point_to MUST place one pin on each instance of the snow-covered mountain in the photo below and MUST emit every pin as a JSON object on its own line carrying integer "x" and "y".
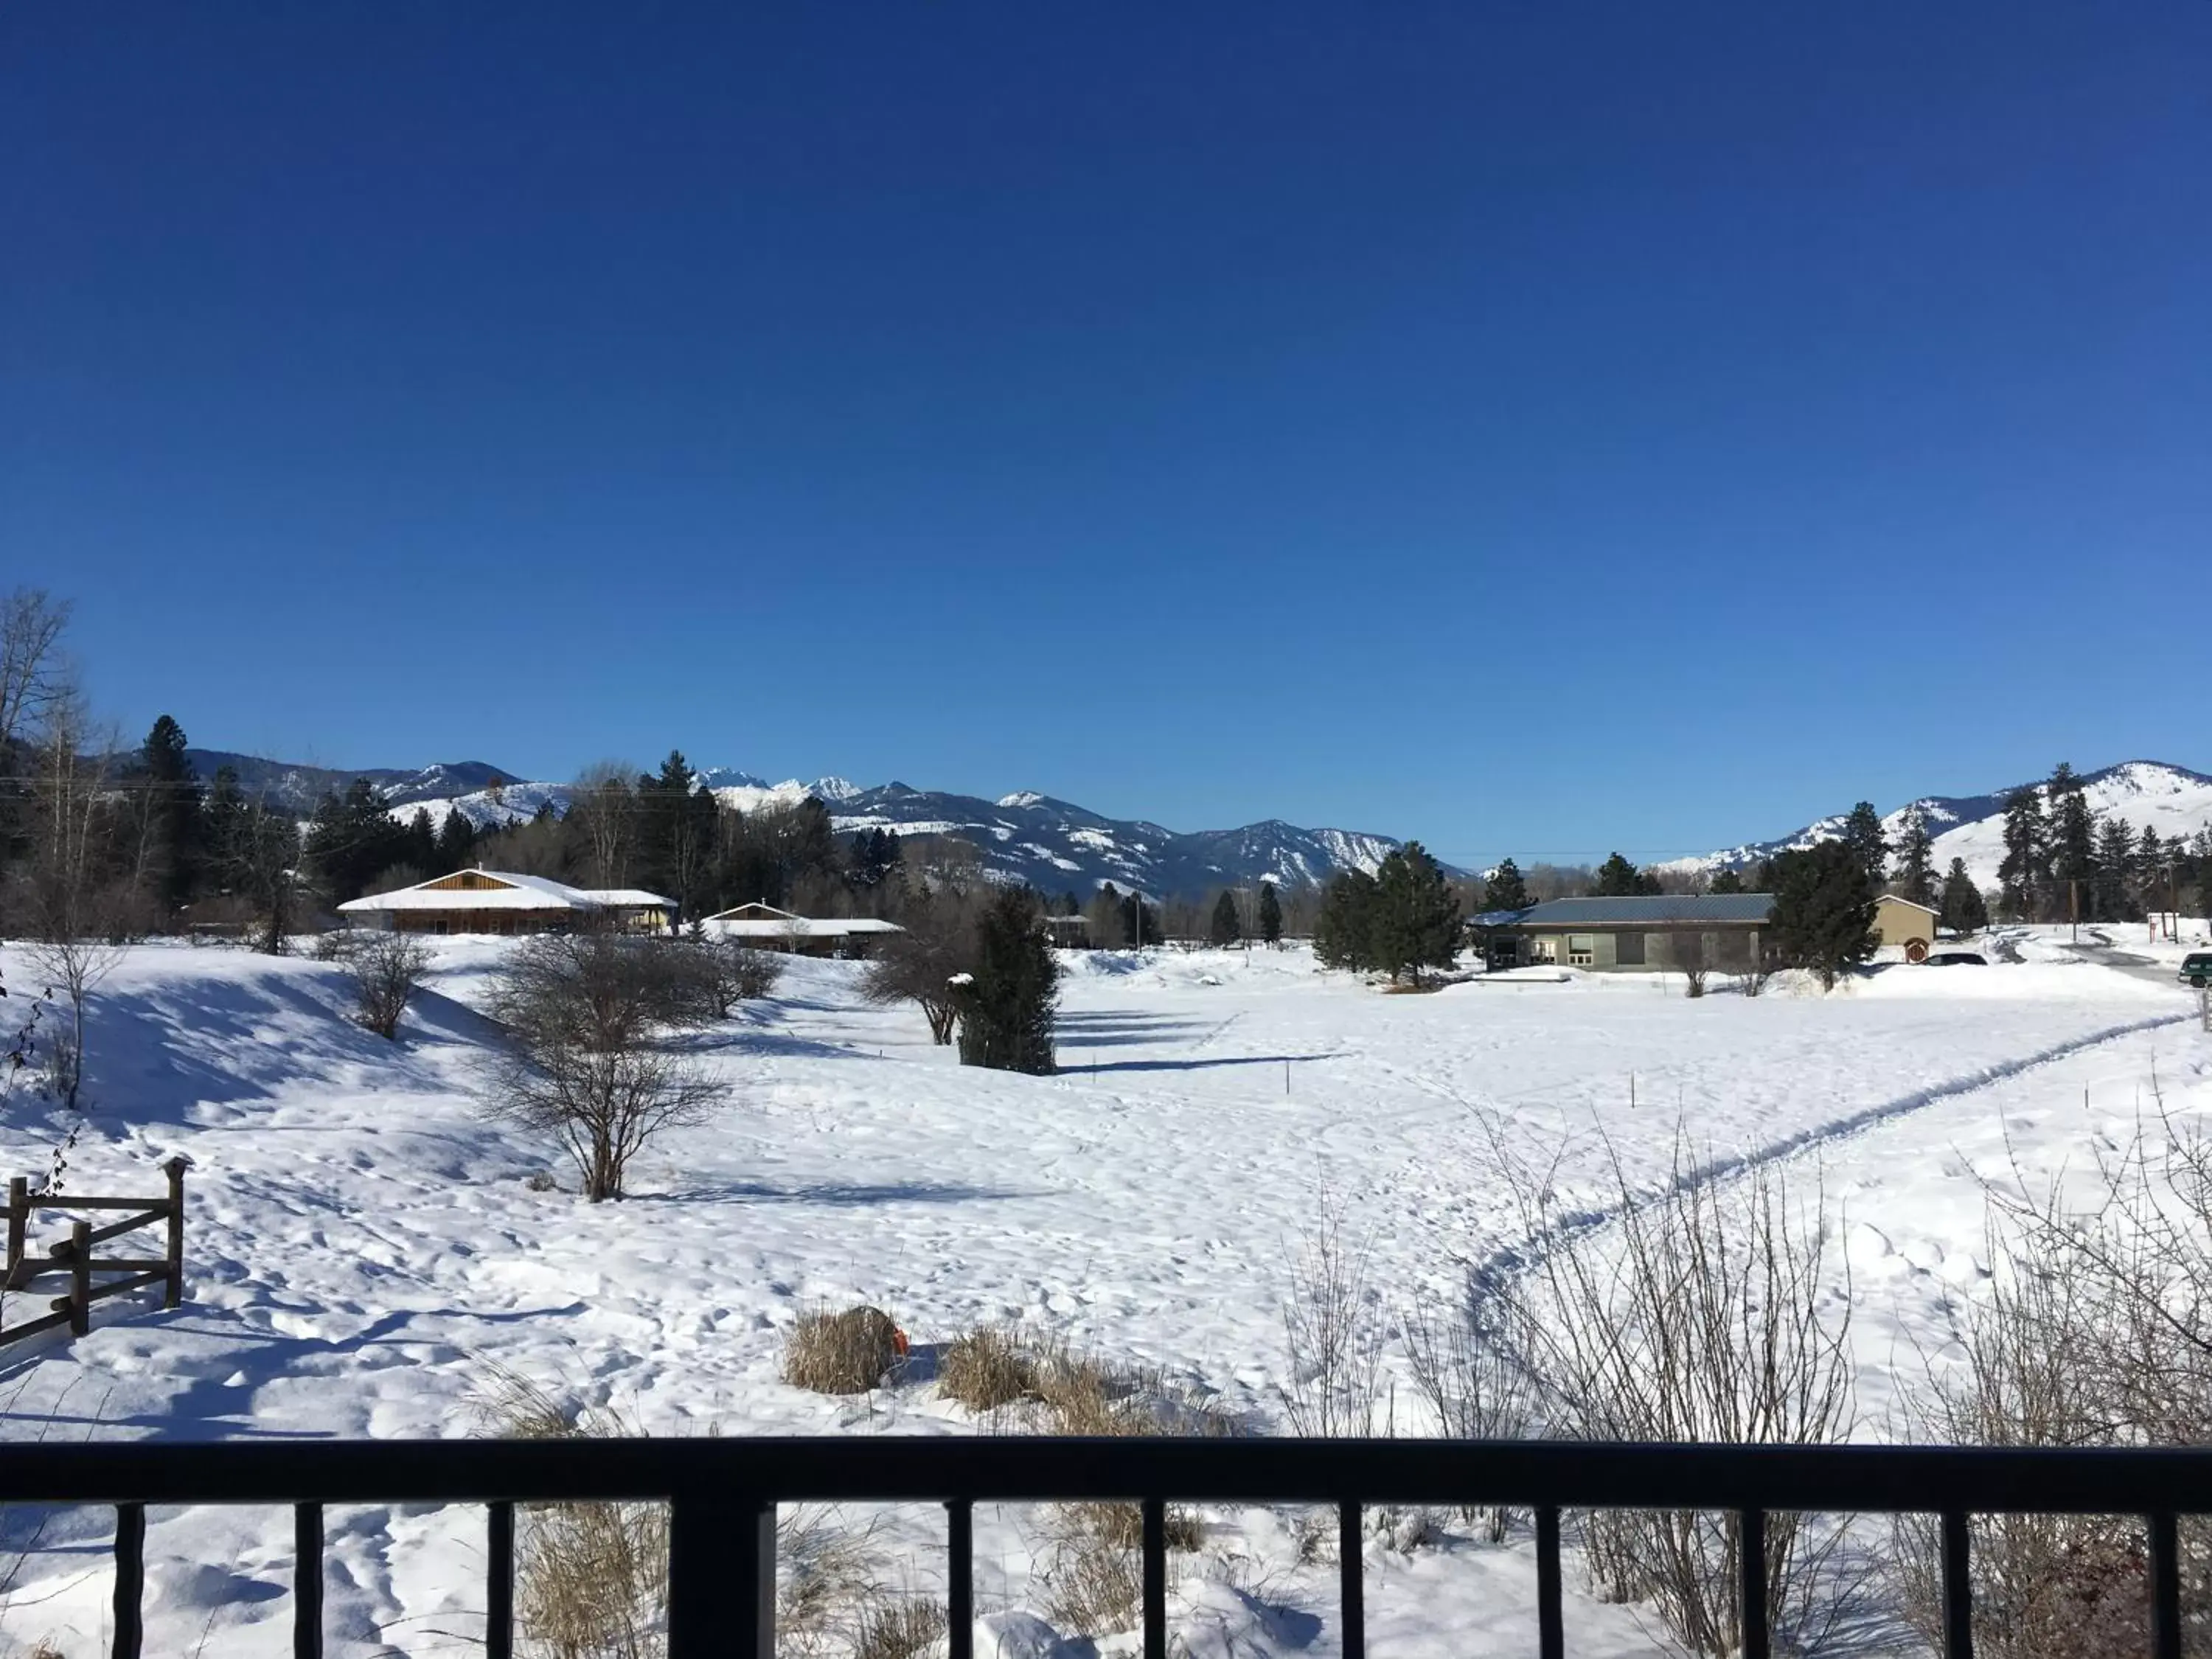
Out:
{"x": 2148, "y": 794}
{"x": 1052, "y": 844}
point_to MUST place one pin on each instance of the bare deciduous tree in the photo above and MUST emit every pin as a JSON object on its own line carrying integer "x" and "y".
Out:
{"x": 1471, "y": 1365}
{"x": 1332, "y": 1329}
{"x": 607, "y": 809}
{"x": 585, "y": 1065}
{"x": 387, "y": 968}
{"x": 34, "y": 678}
{"x": 917, "y": 966}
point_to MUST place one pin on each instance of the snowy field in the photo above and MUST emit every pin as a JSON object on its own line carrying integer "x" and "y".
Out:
{"x": 365, "y": 1252}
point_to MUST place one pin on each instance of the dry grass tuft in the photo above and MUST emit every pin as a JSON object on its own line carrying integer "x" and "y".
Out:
{"x": 987, "y": 1369}
{"x": 847, "y": 1353}
{"x": 590, "y": 1579}
{"x": 897, "y": 1629}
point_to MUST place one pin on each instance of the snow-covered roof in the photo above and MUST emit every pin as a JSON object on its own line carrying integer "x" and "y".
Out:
{"x": 1914, "y": 904}
{"x": 514, "y": 891}
{"x": 754, "y": 911}
{"x": 802, "y": 927}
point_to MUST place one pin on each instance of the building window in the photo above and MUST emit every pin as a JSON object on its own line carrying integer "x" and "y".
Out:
{"x": 1628, "y": 949}
{"x": 1582, "y": 950}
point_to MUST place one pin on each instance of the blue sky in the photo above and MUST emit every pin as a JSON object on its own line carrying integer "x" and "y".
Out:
{"x": 1534, "y": 429}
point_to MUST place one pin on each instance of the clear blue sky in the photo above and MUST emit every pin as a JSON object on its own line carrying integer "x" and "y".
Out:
{"x": 1534, "y": 427}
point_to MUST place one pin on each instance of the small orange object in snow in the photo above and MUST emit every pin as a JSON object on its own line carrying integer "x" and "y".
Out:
{"x": 898, "y": 1342}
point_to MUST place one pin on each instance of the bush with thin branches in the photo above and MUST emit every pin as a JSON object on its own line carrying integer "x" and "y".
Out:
{"x": 387, "y": 970}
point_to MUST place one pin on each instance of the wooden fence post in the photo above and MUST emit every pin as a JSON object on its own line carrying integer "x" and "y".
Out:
{"x": 176, "y": 1167}
{"x": 80, "y": 1302}
{"x": 19, "y": 1211}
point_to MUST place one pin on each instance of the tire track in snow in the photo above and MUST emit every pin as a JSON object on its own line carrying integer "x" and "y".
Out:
{"x": 1503, "y": 1260}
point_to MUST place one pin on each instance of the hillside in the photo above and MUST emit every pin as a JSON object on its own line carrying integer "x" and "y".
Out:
{"x": 2148, "y": 794}
{"x": 1054, "y": 845}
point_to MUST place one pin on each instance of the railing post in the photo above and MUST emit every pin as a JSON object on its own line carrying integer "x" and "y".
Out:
{"x": 2165, "y": 1586}
{"x": 1551, "y": 1627}
{"x": 80, "y": 1304}
{"x": 1351, "y": 1580}
{"x": 19, "y": 1212}
{"x": 1156, "y": 1578}
{"x": 960, "y": 1578}
{"x": 499, "y": 1581}
{"x": 1957, "y": 1587}
{"x": 722, "y": 1577}
{"x": 176, "y": 1168}
{"x": 130, "y": 1579}
{"x": 1751, "y": 1581}
{"x": 307, "y": 1581}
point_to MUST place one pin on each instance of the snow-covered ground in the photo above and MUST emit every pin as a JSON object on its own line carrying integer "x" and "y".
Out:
{"x": 365, "y": 1249}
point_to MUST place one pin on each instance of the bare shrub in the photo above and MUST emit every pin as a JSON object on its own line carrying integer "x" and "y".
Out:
{"x": 1688, "y": 950}
{"x": 1701, "y": 1315}
{"x": 1333, "y": 1330}
{"x": 1470, "y": 1364}
{"x": 387, "y": 968}
{"x": 2096, "y": 1332}
{"x": 987, "y": 1369}
{"x": 847, "y": 1353}
{"x": 705, "y": 980}
{"x": 750, "y": 974}
{"x": 583, "y": 1066}
{"x": 918, "y": 965}
{"x": 828, "y": 1585}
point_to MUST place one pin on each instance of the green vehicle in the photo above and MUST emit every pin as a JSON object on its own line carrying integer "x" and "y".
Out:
{"x": 2196, "y": 968}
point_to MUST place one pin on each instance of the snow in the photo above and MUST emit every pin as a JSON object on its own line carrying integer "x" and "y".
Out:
{"x": 363, "y": 1247}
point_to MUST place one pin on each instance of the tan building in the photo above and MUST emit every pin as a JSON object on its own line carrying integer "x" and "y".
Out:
{"x": 766, "y": 928}
{"x": 502, "y": 901}
{"x": 1900, "y": 921}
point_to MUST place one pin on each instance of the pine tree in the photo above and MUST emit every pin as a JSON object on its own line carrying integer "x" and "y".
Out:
{"x": 1270, "y": 915}
{"x": 1343, "y": 928}
{"x": 1618, "y": 879}
{"x": 1105, "y": 917}
{"x": 1863, "y": 834}
{"x": 2024, "y": 876}
{"x": 1726, "y": 881}
{"x": 1824, "y": 910}
{"x": 1505, "y": 889}
{"x": 1227, "y": 928}
{"x": 1916, "y": 854}
{"x": 173, "y": 809}
{"x": 1007, "y": 1006}
{"x": 2147, "y": 880}
{"x": 1964, "y": 912}
{"x": 1416, "y": 921}
{"x": 457, "y": 843}
{"x": 2073, "y": 840}
{"x": 2114, "y": 885}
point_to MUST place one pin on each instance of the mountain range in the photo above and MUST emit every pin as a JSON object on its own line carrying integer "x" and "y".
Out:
{"x": 1053, "y": 845}
{"x": 2148, "y": 794}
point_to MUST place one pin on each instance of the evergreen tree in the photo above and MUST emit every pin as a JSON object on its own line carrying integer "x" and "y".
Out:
{"x": 2114, "y": 884}
{"x": 2147, "y": 880}
{"x": 2024, "y": 876}
{"x": 1270, "y": 915}
{"x": 1505, "y": 889}
{"x": 173, "y": 810}
{"x": 1824, "y": 910}
{"x": 353, "y": 840}
{"x": 418, "y": 846}
{"x": 1342, "y": 929}
{"x": 1140, "y": 921}
{"x": 2073, "y": 841}
{"x": 1618, "y": 879}
{"x": 1007, "y": 1006}
{"x": 1105, "y": 917}
{"x": 1964, "y": 912}
{"x": 1863, "y": 834}
{"x": 1916, "y": 854}
{"x": 1226, "y": 928}
{"x": 457, "y": 843}
{"x": 1726, "y": 881}
{"x": 1415, "y": 922}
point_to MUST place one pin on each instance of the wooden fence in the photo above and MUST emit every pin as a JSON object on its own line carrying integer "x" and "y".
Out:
{"x": 72, "y": 1257}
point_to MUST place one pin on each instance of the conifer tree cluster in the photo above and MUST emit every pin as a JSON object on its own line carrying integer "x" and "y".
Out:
{"x": 1401, "y": 921}
{"x": 1008, "y": 1002}
{"x": 1824, "y": 910}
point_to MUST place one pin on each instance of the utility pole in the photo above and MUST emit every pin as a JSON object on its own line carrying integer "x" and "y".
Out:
{"x": 2073, "y": 904}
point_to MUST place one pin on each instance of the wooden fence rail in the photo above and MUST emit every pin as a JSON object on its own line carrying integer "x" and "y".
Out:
{"x": 72, "y": 1258}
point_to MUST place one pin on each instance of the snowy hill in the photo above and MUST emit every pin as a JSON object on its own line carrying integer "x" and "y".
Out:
{"x": 2148, "y": 794}
{"x": 1053, "y": 844}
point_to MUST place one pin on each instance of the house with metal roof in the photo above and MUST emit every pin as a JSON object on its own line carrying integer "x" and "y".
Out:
{"x": 764, "y": 928}
{"x": 1642, "y": 933}
{"x": 505, "y": 902}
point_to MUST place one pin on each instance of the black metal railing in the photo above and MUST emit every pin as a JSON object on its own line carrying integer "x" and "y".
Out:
{"x": 723, "y": 1494}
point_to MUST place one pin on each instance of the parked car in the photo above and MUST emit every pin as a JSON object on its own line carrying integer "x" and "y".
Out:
{"x": 2196, "y": 968}
{"x": 1958, "y": 959}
